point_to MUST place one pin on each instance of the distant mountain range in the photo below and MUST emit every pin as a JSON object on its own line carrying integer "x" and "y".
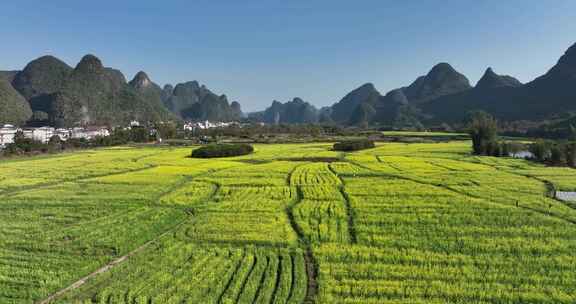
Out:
{"x": 50, "y": 91}
{"x": 445, "y": 95}
{"x": 291, "y": 112}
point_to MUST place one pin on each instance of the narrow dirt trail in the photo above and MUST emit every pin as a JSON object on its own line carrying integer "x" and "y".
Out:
{"x": 348, "y": 205}
{"x": 110, "y": 265}
{"x": 141, "y": 248}
{"x": 309, "y": 261}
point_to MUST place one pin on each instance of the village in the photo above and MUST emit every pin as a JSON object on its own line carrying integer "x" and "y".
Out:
{"x": 43, "y": 134}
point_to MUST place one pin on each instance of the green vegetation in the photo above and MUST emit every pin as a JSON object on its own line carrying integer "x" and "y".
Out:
{"x": 120, "y": 136}
{"x": 222, "y": 150}
{"x": 13, "y": 108}
{"x": 452, "y": 135}
{"x": 400, "y": 223}
{"x": 353, "y": 145}
{"x": 556, "y": 153}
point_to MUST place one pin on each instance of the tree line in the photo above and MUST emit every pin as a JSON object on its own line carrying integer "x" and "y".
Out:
{"x": 483, "y": 129}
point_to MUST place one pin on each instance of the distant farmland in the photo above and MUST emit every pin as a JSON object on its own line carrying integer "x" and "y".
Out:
{"x": 290, "y": 223}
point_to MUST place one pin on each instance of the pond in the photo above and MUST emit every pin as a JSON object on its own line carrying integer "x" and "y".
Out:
{"x": 566, "y": 196}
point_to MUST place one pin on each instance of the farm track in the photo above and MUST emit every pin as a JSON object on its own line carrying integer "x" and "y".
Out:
{"x": 107, "y": 267}
{"x": 142, "y": 247}
{"x": 309, "y": 261}
{"x": 349, "y": 210}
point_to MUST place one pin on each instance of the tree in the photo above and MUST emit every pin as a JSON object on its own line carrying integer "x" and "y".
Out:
{"x": 540, "y": 150}
{"x": 570, "y": 149}
{"x": 557, "y": 156}
{"x": 166, "y": 130}
{"x": 139, "y": 135}
{"x": 483, "y": 130}
{"x": 572, "y": 132}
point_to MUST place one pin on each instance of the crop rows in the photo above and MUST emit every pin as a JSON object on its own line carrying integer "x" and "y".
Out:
{"x": 174, "y": 271}
{"x": 401, "y": 223}
{"x": 424, "y": 238}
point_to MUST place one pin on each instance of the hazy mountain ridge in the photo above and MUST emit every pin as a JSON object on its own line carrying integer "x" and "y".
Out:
{"x": 192, "y": 101}
{"x": 296, "y": 111}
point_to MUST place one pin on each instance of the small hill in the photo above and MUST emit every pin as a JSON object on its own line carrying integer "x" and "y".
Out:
{"x": 294, "y": 111}
{"x": 343, "y": 109}
{"x": 8, "y": 75}
{"x": 491, "y": 80}
{"x": 93, "y": 94}
{"x": 40, "y": 79}
{"x": 14, "y": 109}
{"x": 441, "y": 80}
{"x": 400, "y": 107}
{"x": 191, "y": 101}
{"x": 545, "y": 97}
{"x": 151, "y": 93}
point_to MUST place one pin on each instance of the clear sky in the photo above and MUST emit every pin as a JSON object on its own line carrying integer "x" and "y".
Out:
{"x": 258, "y": 51}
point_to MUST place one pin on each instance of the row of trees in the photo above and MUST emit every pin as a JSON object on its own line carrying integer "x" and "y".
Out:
{"x": 556, "y": 153}
{"x": 483, "y": 130}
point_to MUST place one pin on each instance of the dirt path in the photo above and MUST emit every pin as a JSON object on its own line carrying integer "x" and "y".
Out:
{"x": 123, "y": 258}
{"x": 309, "y": 261}
{"x": 348, "y": 205}
{"x": 110, "y": 265}
{"x": 312, "y": 273}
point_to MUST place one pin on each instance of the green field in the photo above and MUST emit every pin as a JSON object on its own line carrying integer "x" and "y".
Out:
{"x": 425, "y": 134}
{"x": 401, "y": 223}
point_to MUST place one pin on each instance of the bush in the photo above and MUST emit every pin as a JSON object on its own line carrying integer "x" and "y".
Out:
{"x": 222, "y": 150}
{"x": 354, "y": 145}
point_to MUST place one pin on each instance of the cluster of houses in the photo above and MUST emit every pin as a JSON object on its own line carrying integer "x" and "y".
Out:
{"x": 202, "y": 125}
{"x": 43, "y": 134}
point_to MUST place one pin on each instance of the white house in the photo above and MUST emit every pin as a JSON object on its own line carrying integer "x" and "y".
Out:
{"x": 89, "y": 132}
{"x": 203, "y": 125}
{"x": 7, "y": 133}
{"x": 42, "y": 134}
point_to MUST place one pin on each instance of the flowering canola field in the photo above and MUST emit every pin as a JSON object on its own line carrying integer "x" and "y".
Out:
{"x": 291, "y": 223}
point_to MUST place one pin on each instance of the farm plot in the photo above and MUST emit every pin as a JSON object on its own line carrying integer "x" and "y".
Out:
{"x": 174, "y": 271}
{"x": 295, "y": 223}
{"x": 19, "y": 174}
{"x": 422, "y": 244}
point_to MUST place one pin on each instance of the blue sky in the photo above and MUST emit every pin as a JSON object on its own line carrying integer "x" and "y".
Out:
{"x": 257, "y": 51}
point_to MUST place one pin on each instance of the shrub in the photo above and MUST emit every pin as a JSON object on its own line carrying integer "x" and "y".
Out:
{"x": 222, "y": 150}
{"x": 353, "y": 145}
